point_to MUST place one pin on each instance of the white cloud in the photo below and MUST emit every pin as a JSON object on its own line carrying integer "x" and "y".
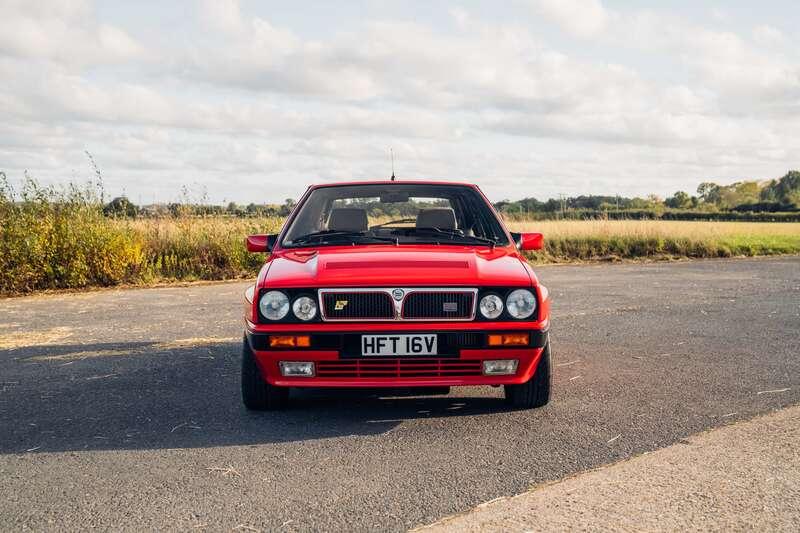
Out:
{"x": 582, "y": 18}
{"x": 242, "y": 97}
{"x": 742, "y": 77}
{"x": 768, "y": 36}
{"x": 222, "y": 15}
{"x": 62, "y": 31}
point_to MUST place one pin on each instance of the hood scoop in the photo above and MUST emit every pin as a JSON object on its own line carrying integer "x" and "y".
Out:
{"x": 337, "y": 265}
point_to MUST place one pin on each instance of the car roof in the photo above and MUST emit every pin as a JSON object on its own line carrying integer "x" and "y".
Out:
{"x": 395, "y": 182}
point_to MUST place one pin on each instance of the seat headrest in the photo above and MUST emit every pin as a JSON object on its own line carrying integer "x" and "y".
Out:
{"x": 348, "y": 219}
{"x": 440, "y": 217}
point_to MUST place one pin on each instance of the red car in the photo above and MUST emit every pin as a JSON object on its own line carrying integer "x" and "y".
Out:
{"x": 413, "y": 284}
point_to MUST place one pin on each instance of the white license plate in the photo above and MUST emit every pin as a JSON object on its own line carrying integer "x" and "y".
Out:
{"x": 398, "y": 345}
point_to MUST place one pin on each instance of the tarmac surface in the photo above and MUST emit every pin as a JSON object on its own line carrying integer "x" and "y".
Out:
{"x": 120, "y": 409}
{"x": 743, "y": 477}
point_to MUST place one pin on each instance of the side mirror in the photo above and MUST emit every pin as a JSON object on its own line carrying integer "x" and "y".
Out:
{"x": 529, "y": 241}
{"x": 261, "y": 243}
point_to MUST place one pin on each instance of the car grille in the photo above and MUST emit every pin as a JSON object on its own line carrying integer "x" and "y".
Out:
{"x": 384, "y": 304}
{"x": 438, "y": 305}
{"x": 357, "y": 306}
{"x": 398, "y": 368}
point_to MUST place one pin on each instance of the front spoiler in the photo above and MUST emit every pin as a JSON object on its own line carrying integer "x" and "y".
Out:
{"x": 268, "y": 360}
{"x": 260, "y": 341}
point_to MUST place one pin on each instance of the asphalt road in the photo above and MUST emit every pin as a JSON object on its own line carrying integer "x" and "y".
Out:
{"x": 707, "y": 482}
{"x": 121, "y": 408}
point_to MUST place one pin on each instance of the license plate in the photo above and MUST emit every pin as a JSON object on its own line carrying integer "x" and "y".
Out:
{"x": 372, "y": 345}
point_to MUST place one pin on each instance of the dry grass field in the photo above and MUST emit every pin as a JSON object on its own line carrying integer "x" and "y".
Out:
{"x": 655, "y": 228}
{"x": 571, "y": 240}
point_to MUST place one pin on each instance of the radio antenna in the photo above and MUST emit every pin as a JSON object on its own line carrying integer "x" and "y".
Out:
{"x": 391, "y": 151}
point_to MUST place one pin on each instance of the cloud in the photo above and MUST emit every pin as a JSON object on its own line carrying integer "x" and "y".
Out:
{"x": 581, "y": 18}
{"x": 62, "y": 31}
{"x": 222, "y": 15}
{"x": 740, "y": 73}
{"x": 768, "y": 36}
{"x": 237, "y": 97}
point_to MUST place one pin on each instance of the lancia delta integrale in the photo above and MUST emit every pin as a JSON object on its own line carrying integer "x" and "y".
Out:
{"x": 395, "y": 284}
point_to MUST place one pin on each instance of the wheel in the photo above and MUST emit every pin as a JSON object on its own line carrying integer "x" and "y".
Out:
{"x": 257, "y": 394}
{"x": 536, "y": 391}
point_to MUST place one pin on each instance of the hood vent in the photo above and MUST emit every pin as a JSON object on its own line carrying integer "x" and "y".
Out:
{"x": 396, "y": 264}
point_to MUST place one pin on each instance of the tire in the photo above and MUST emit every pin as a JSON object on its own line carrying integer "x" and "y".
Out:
{"x": 536, "y": 391}
{"x": 257, "y": 394}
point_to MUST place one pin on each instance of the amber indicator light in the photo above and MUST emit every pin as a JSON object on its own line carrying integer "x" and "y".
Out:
{"x": 289, "y": 341}
{"x": 509, "y": 339}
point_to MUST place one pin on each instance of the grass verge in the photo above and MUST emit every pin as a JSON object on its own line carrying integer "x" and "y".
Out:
{"x": 593, "y": 240}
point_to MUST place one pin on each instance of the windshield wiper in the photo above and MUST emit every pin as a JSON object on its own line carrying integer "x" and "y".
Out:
{"x": 457, "y": 233}
{"x": 323, "y": 236}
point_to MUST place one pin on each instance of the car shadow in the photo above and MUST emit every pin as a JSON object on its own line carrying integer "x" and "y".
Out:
{"x": 146, "y": 395}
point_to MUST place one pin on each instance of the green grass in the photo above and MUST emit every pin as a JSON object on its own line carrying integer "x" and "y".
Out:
{"x": 593, "y": 240}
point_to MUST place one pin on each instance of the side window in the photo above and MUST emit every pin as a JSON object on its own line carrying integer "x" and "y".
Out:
{"x": 481, "y": 226}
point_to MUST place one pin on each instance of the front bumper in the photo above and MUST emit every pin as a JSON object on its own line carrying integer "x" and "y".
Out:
{"x": 338, "y": 362}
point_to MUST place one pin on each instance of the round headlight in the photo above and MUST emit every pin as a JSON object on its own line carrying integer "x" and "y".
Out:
{"x": 521, "y": 303}
{"x": 274, "y": 305}
{"x": 491, "y": 306}
{"x": 304, "y": 308}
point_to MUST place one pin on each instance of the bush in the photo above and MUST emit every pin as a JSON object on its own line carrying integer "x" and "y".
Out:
{"x": 60, "y": 238}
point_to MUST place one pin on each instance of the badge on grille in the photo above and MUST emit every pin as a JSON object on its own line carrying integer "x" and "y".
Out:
{"x": 450, "y": 307}
{"x": 398, "y": 294}
{"x": 340, "y": 304}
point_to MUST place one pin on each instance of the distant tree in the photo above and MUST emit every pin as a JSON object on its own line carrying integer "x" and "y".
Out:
{"x": 785, "y": 190}
{"x": 502, "y": 205}
{"x": 287, "y": 206}
{"x": 120, "y": 207}
{"x": 655, "y": 200}
{"x": 679, "y": 200}
{"x": 769, "y": 192}
{"x": 745, "y": 192}
{"x": 639, "y": 203}
{"x": 552, "y": 205}
{"x": 708, "y": 192}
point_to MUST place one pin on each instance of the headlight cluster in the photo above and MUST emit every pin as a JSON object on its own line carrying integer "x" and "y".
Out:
{"x": 520, "y": 304}
{"x": 491, "y": 306}
{"x": 275, "y": 305}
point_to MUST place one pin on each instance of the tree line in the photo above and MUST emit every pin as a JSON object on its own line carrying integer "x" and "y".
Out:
{"x": 771, "y": 196}
{"x": 777, "y": 195}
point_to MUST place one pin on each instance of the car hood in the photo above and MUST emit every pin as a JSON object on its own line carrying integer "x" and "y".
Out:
{"x": 395, "y": 266}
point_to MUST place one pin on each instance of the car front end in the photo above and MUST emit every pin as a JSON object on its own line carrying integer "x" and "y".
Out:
{"x": 399, "y": 337}
{"x": 393, "y": 305}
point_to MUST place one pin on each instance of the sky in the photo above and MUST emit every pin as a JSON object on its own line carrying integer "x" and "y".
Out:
{"x": 252, "y": 101}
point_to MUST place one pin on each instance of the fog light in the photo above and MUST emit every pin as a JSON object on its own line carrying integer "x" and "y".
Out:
{"x": 296, "y": 369}
{"x": 509, "y": 339}
{"x": 500, "y": 367}
{"x": 289, "y": 341}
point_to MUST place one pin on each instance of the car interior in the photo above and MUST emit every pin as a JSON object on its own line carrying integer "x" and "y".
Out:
{"x": 355, "y": 219}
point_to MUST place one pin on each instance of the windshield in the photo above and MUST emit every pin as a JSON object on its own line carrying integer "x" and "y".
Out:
{"x": 394, "y": 213}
